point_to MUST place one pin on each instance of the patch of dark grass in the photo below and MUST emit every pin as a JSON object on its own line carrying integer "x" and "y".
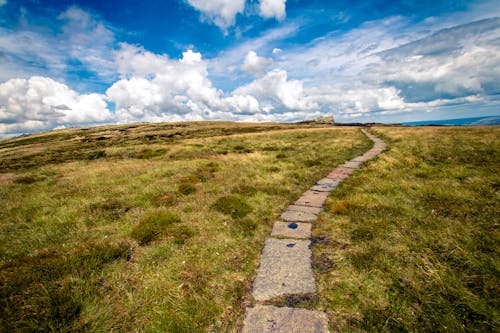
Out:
{"x": 367, "y": 257}
{"x": 233, "y": 205}
{"x": 186, "y": 189}
{"x": 166, "y": 199}
{"x": 110, "y": 208}
{"x": 150, "y": 153}
{"x": 270, "y": 148}
{"x": 35, "y": 293}
{"x": 281, "y": 155}
{"x": 153, "y": 225}
{"x": 182, "y": 233}
{"x": 362, "y": 234}
{"x": 274, "y": 169}
{"x": 29, "y": 179}
{"x": 313, "y": 162}
{"x": 95, "y": 155}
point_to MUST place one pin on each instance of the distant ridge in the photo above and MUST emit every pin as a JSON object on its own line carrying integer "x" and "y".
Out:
{"x": 477, "y": 121}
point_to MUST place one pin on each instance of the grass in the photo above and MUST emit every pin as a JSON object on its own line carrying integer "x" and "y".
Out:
{"x": 411, "y": 243}
{"x": 148, "y": 227}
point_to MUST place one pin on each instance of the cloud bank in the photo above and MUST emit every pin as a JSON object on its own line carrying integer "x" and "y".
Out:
{"x": 385, "y": 68}
{"x": 40, "y": 103}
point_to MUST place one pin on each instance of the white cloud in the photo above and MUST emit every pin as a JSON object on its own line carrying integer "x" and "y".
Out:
{"x": 255, "y": 65}
{"x": 277, "y": 50}
{"x": 275, "y": 90}
{"x": 221, "y": 67}
{"x": 41, "y": 103}
{"x": 87, "y": 39}
{"x": 81, "y": 42}
{"x": 239, "y": 104}
{"x": 221, "y": 12}
{"x": 154, "y": 87}
{"x": 272, "y": 8}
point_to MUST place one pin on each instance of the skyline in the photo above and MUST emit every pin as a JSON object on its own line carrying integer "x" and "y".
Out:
{"x": 88, "y": 63}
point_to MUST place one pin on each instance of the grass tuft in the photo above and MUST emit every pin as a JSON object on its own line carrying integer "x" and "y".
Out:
{"x": 166, "y": 199}
{"x": 233, "y": 205}
{"x": 152, "y": 225}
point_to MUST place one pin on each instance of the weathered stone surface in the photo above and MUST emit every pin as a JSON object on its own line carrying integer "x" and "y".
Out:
{"x": 340, "y": 173}
{"x": 325, "y": 185}
{"x": 285, "y": 268}
{"x": 329, "y": 181}
{"x": 360, "y": 159}
{"x": 266, "y": 318}
{"x": 305, "y": 209}
{"x": 312, "y": 198}
{"x": 296, "y": 216}
{"x": 322, "y": 188}
{"x": 351, "y": 165}
{"x": 291, "y": 230}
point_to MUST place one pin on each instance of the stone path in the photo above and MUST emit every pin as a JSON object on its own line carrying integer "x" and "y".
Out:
{"x": 285, "y": 267}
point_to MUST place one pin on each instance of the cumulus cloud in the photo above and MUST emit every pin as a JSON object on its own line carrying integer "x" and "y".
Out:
{"x": 255, "y": 65}
{"x": 277, "y": 92}
{"x": 156, "y": 88}
{"x": 40, "y": 103}
{"x": 272, "y": 8}
{"x": 221, "y": 12}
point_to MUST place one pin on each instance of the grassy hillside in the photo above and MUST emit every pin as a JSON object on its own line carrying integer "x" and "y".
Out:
{"x": 411, "y": 243}
{"x": 148, "y": 227}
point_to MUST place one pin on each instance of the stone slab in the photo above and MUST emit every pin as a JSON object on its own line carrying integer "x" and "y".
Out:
{"x": 267, "y": 319}
{"x": 305, "y": 209}
{"x": 322, "y": 188}
{"x": 312, "y": 198}
{"x": 329, "y": 181}
{"x": 351, "y": 165}
{"x": 337, "y": 175}
{"x": 291, "y": 230}
{"x": 360, "y": 159}
{"x": 285, "y": 268}
{"x": 296, "y": 216}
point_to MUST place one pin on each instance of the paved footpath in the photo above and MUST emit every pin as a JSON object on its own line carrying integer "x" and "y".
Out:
{"x": 285, "y": 265}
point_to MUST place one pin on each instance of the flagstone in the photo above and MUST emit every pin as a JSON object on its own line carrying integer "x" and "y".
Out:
{"x": 291, "y": 230}
{"x": 268, "y": 318}
{"x": 285, "y": 268}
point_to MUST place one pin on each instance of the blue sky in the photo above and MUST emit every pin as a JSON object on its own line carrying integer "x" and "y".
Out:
{"x": 79, "y": 63}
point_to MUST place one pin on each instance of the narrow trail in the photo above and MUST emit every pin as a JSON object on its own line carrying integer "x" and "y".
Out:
{"x": 285, "y": 267}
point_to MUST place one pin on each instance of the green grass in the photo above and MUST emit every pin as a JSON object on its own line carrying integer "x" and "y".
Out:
{"x": 411, "y": 243}
{"x": 159, "y": 232}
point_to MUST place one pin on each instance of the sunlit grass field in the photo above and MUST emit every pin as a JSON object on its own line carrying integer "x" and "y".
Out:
{"x": 411, "y": 242}
{"x": 148, "y": 227}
